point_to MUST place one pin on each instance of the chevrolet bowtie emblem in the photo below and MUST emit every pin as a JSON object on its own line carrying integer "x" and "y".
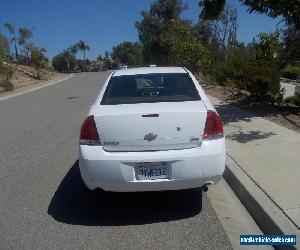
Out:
{"x": 150, "y": 137}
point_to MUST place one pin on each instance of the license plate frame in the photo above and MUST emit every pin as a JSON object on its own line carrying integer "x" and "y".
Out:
{"x": 152, "y": 171}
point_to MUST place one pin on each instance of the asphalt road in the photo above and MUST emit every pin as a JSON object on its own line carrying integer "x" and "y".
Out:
{"x": 43, "y": 203}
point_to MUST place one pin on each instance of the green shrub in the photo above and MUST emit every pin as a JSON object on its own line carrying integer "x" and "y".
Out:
{"x": 6, "y": 73}
{"x": 259, "y": 78}
{"x": 38, "y": 59}
{"x": 64, "y": 62}
{"x": 222, "y": 72}
{"x": 265, "y": 82}
{"x": 290, "y": 72}
{"x": 253, "y": 69}
{"x": 295, "y": 99}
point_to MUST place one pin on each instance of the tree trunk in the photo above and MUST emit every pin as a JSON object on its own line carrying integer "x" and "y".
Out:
{"x": 26, "y": 53}
{"x": 16, "y": 51}
{"x": 84, "y": 54}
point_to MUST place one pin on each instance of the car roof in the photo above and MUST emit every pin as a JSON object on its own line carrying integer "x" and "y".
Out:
{"x": 149, "y": 70}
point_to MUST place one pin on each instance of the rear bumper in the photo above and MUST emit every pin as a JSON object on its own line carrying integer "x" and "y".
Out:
{"x": 189, "y": 168}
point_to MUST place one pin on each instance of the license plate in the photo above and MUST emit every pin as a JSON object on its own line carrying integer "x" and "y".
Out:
{"x": 152, "y": 171}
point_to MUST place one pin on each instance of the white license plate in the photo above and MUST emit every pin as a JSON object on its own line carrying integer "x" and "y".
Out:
{"x": 151, "y": 170}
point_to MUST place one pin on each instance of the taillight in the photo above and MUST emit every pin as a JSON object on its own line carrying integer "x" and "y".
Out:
{"x": 213, "y": 126}
{"x": 88, "y": 132}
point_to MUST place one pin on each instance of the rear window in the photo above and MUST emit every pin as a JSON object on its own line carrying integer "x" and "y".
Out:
{"x": 147, "y": 88}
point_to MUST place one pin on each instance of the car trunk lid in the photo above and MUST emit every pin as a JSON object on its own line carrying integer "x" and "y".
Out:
{"x": 151, "y": 126}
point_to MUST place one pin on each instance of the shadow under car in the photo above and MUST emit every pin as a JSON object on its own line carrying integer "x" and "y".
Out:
{"x": 72, "y": 203}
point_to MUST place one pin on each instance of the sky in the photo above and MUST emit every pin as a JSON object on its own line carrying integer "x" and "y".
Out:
{"x": 103, "y": 24}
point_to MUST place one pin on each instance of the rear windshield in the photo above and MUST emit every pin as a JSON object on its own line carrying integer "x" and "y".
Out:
{"x": 147, "y": 88}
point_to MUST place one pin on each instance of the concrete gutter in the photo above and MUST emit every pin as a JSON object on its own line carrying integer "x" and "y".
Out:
{"x": 35, "y": 87}
{"x": 268, "y": 216}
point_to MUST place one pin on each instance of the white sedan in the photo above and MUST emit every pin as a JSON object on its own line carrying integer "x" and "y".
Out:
{"x": 151, "y": 129}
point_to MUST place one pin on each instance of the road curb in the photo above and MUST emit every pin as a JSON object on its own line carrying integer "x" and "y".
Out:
{"x": 35, "y": 87}
{"x": 268, "y": 216}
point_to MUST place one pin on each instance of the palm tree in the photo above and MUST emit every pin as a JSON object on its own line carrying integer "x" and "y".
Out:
{"x": 25, "y": 35}
{"x": 11, "y": 29}
{"x": 81, "y": 45}
{"x": 73, "y": 49}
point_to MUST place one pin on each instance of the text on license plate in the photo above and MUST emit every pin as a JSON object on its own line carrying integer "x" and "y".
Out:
{"x": 152, "y": 170}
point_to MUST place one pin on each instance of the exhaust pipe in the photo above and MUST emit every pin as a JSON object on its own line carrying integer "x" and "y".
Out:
{"x": 205, "y": 186}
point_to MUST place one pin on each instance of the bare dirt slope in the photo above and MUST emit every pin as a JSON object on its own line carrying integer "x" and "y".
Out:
{"x": 25, "y": 76}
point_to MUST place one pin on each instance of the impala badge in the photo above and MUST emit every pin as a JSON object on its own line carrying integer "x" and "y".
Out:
{"x": 150, "y": 137}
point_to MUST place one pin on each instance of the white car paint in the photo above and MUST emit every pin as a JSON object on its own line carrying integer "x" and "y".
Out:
{"x": 192, "y": 160}
{"x": 188, "y": 117}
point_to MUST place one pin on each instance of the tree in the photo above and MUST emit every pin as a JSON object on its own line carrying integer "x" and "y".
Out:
{"x": 38, "y": 58}
{"x": 268, "y": 47}
{"x": 4, "y": 45}
{"x": 106, "y": 54}
{"x": 25, "y": 35}
{"x": 73, "y": 49}
{"x": 156, "y": 30}
{"x": 64, "y": 61}
{"x": 188, "y": 51}
{"x": 274, "y": 8}
{"x": 81, "y": 45}
{"x": 130, "y": 53}
{"x": 11, "y": 29}
{"x": 291, "y": 51}
{"x": 109, "y": 64}
{"x": 219, "y": 35}
{"x": 225, "y": 28}
{"x": 211, "y": 9}
{"x": 206, "y": 34}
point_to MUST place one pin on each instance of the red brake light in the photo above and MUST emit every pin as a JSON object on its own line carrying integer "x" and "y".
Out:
{"x": 88, "y": 132}
{"x": 213, "y": 126}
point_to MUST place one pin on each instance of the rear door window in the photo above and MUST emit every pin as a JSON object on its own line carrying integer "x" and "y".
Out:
{"x": 147, "y": 88}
